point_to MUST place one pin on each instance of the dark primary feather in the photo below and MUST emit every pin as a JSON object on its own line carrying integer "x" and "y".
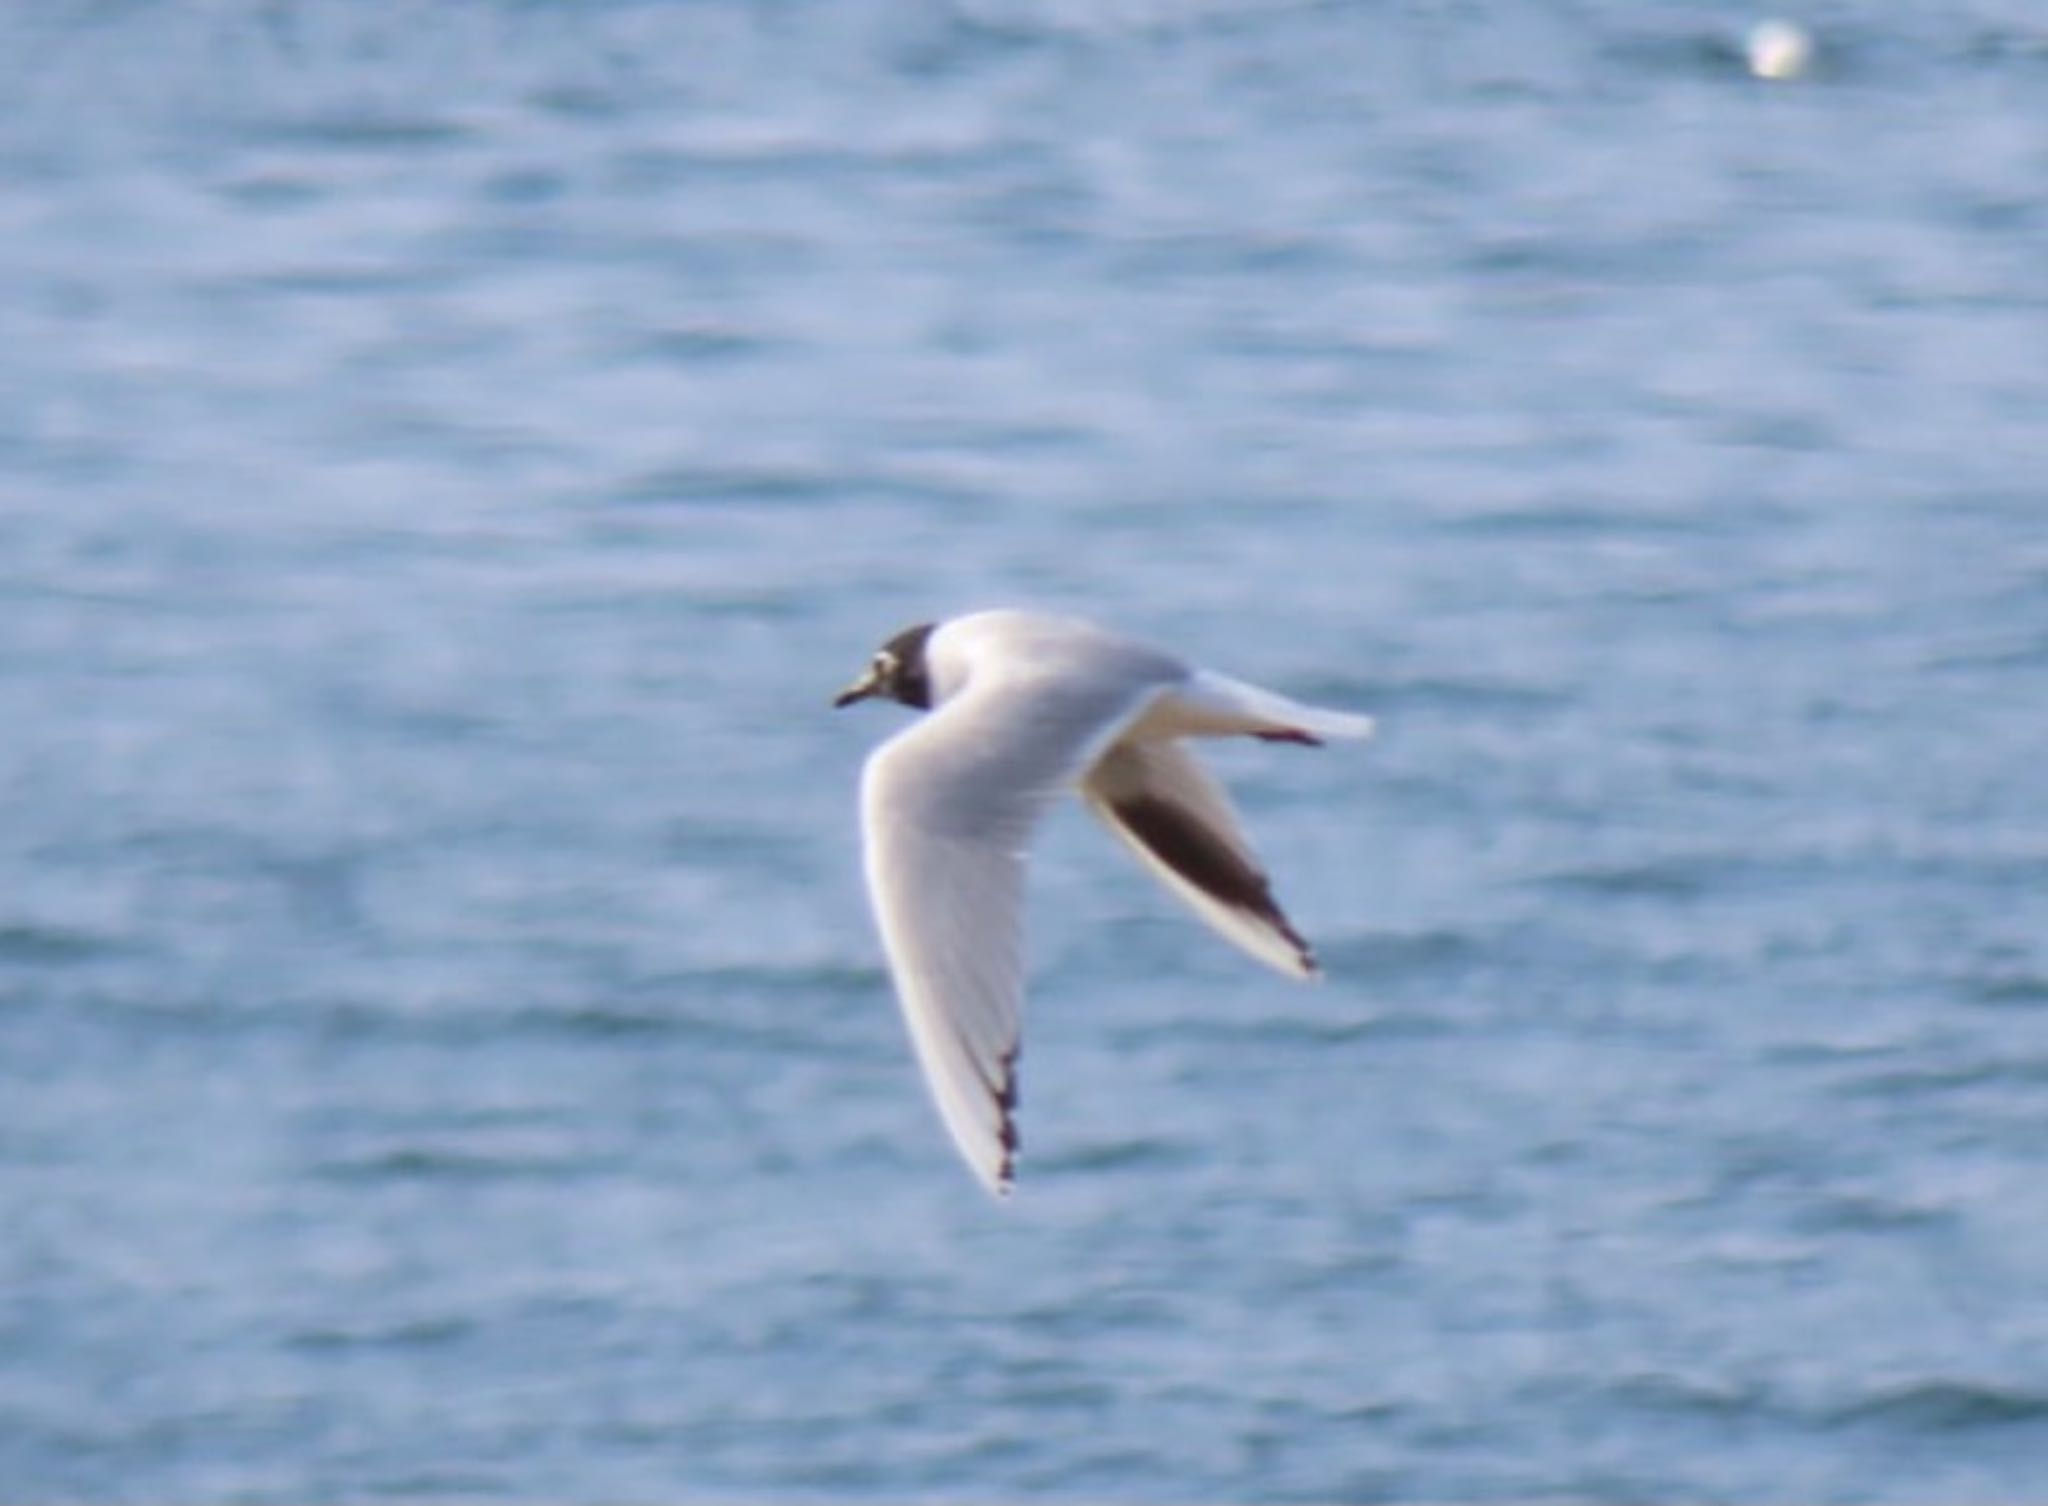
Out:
{"x": 1190, "y": 849}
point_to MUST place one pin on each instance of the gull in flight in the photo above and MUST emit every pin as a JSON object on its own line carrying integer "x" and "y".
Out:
{"x": 1024, "y": 706}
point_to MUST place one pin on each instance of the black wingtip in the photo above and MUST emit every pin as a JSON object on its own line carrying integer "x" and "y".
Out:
{"x": 1006, "y": 1100}
{"x": 1302, "y": 950}
{"x": 1290, "y": 735}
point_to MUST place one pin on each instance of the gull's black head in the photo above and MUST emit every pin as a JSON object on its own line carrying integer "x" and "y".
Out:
{"x": 898, "y": 672}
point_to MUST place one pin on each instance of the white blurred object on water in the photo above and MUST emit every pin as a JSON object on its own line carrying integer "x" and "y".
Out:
{"x": 1778, "y": 49}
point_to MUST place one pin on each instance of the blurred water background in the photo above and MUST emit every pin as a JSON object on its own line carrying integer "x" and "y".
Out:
{"x": 450, "y": 453}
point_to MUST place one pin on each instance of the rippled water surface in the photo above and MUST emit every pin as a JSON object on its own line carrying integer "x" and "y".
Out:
{"x": 449, "y": 454}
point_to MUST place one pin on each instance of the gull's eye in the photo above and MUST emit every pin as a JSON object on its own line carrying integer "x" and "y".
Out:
{"x": 885, "y": 663}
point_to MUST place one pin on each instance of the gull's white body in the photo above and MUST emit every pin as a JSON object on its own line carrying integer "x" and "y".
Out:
{"x": 1026, "y": 707}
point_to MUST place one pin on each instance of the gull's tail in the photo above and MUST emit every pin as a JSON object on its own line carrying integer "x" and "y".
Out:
{"x": 1216, "y": 704}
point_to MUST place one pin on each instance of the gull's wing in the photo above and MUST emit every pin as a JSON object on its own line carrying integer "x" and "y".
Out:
{"x": 947, "y": 812}
{"x": 1168, "y": 810}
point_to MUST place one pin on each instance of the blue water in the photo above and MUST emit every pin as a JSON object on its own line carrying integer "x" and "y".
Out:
{"x": 449, "y": 455}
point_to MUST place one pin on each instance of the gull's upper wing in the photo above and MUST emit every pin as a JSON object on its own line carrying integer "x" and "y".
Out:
{"x": 1168, "y": 810}
{"x": 947, "y": 812}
